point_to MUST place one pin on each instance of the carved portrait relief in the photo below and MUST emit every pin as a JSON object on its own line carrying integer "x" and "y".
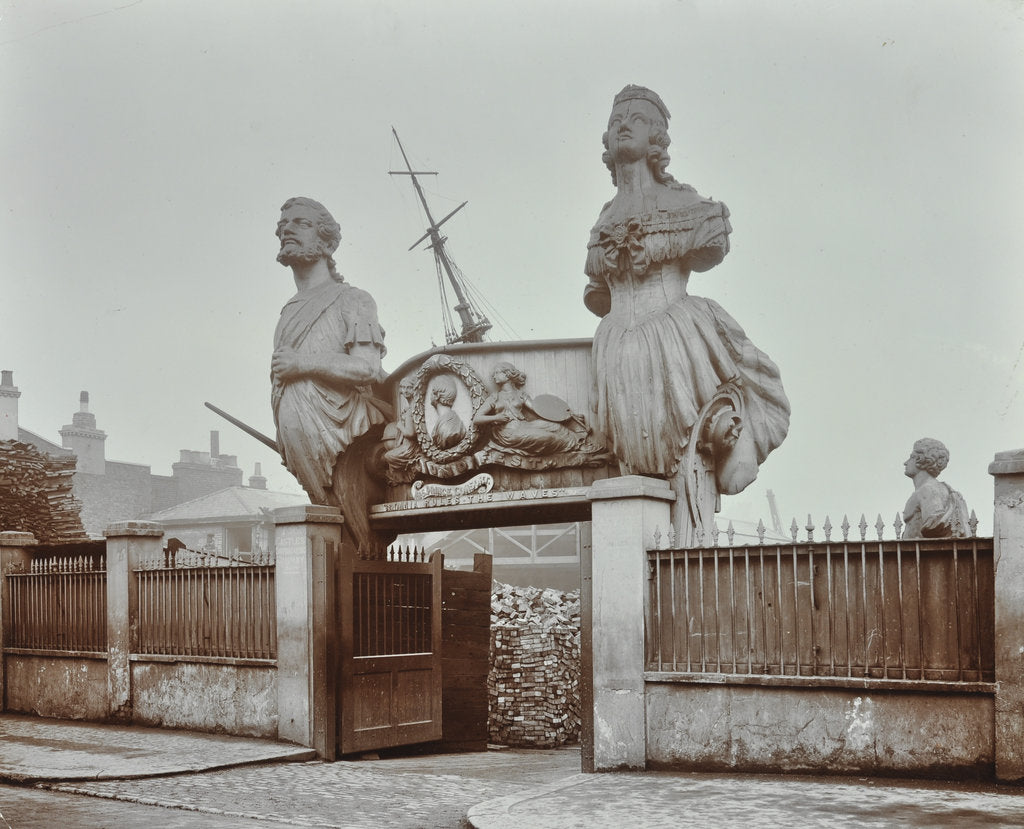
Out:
{"x": 451, "y": 422}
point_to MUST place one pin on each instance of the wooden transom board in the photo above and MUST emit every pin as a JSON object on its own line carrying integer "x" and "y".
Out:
{"x": 447, "y": 467}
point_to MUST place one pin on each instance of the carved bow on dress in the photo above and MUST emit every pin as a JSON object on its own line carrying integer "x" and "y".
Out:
{"x": 623, "y": 241}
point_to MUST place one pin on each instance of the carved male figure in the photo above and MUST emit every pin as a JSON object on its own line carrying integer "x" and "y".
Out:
{"x": 327, "y": 355}
{"x": 666, "y": 362}
{"x": 935, "y": 510}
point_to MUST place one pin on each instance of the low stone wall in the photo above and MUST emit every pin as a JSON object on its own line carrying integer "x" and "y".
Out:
{"x": 229, "y": 699}
{"x": 753, "y": 728}
{"x": 69, "y": 687}
{"x": 533, "y": 685}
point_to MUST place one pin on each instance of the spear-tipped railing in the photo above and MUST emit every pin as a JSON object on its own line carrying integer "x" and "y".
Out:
{"x": 903, "y": 610}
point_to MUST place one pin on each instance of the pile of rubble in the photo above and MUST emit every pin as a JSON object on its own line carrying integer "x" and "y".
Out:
{"x": 533, "y": 685}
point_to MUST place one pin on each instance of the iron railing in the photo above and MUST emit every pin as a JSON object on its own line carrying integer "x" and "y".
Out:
{"x": 195, "y": 604}
{"x": 392, "y": 607}
{"x": 920, "y": 610}
{"x": 60, "y": 605}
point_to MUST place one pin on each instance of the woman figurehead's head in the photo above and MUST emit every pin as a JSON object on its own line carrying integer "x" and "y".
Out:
{"x": 645, "y": 102}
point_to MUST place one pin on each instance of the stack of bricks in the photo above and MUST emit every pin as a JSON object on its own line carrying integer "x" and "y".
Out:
{"x": 533, "y": 685}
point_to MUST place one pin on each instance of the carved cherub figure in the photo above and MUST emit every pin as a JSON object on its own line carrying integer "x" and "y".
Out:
{"x": 935, "y": 510}
{"x": 404, "y": 449}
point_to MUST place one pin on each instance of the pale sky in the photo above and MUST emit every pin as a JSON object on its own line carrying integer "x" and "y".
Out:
{"x": 871, "y": 155}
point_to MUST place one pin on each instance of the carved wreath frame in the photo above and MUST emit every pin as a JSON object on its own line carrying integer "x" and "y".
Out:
{"x": 435, "y": 366}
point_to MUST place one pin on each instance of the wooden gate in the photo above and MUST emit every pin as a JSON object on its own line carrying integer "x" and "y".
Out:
{"x": 389, "y": 673}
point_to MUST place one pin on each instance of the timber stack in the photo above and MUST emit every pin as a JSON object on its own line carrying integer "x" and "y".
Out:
{"x": 36, "y": 494}
{"x": 533, "y": 685}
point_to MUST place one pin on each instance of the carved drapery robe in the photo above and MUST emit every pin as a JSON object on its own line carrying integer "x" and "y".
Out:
{"x": 936, "y": 510}
{"x": 317, "y": 422}
{"x": 660, "y": 354}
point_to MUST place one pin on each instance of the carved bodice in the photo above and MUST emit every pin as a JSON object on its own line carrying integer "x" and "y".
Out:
{"x": 647, "y": 257}
{"x": 636, "y": 296}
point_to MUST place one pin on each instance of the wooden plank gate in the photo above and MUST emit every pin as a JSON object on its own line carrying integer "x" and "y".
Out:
{"x": 389, "y": 671}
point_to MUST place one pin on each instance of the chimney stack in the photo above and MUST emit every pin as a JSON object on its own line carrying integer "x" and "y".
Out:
{"x": 214, "y": 445}
{"x": 9, "y": 395}
{"x": 83, "y": 438}
{"x": 257, "y": 481}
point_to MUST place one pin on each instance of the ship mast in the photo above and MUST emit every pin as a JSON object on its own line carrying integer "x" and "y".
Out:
{"x": 474, "y": 323}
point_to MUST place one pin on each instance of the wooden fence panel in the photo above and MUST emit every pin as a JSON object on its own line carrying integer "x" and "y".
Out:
{"x": 219, "y": 611}
{"x": 916, "y": 610}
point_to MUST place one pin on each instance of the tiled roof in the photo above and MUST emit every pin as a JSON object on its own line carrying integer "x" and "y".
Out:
{"x": 235, "y": 502}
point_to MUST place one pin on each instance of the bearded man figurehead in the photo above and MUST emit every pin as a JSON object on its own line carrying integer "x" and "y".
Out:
{"x": 308, "y": 233}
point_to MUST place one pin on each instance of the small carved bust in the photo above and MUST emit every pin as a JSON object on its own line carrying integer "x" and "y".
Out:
{"x": 449, "y": 429}
{"x": 935, "y": 510}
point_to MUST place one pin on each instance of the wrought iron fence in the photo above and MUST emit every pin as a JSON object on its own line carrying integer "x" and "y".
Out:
{"x": 60, "y": 604}
{"x": 914, "y": 609}
{"x": 196, "y": 603}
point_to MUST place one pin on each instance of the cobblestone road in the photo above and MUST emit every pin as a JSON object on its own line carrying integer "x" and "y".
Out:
{"x": 353, "y": 795}
{"x": 652, "y": 800}
{"x": 29, "y": 808}
{"x": 502, "y": 790}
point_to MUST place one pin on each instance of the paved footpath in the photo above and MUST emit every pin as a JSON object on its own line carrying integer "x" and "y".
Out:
{"x": 653, "y": 800}
{"x": 418, "y": 793}
{"x": 87, "y": 775}
{"x": 34, "y": 748}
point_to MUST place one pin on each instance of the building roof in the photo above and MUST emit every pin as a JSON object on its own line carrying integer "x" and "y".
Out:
{"x": 41, "y": 443}
{"x": 236, "y": 503}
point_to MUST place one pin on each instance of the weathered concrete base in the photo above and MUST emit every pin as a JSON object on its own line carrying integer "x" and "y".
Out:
{"x": 235, "y": 699}
{"x": 308, "y": 541}
{"x": 626, "y": 514}
{"x": 702, "y": 727}
{"x": 51, "y": 686}
{"x": 1008, "y": 471}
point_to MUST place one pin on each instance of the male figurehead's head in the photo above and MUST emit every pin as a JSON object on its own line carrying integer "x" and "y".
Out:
{"x": 308, "y": 233}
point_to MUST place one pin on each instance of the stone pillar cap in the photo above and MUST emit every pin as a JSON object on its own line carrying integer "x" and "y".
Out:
{"x": 1007, "y": 463}
{"x": 308, "y": 514}
{"x": 630, "y": 486}
{"x": 134, "y": 528}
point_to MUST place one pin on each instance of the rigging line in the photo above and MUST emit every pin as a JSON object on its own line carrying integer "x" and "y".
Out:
{"x": 480, "y": 302}
{"x": 446, "y": 315}
{"x": 495, "y": 315}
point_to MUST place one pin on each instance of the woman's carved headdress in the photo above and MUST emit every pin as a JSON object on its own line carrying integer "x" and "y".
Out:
{"x": 632, "y": 92}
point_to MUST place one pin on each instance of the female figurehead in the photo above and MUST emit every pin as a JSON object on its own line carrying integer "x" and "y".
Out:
{"x": 661, "y": 355}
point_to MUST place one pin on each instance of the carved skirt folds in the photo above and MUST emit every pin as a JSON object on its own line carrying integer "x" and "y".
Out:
{"x": 535, "y": 437}
{"x": 654, "y": 373}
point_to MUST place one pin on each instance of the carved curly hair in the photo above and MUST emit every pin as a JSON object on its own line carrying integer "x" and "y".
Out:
{"x": 931, "y": 455}
{"x": 515, "y": 376}
{"x": 657, "y": 154}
